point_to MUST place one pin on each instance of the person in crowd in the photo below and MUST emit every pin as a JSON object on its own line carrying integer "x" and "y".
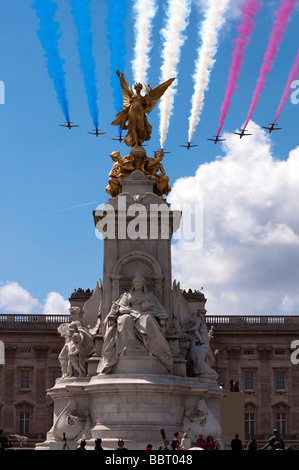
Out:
{"x": 252, "y": 444}
{"x": 236, "y": 443}
{"x": 121, "y": 445}
{"x": 3, "y": 440}
{"x": 82, "y": 445}
{"x": 165, "y": 445}
{"x": 185, "y": 441}
{"x": 210, "y": 442}
{"x": 149, "y": 447}
{"x": 98, "y": 444}
{"x": 201, "y": 442}
{"x": 175, "y": 440}
{"x": 216, "y": 445}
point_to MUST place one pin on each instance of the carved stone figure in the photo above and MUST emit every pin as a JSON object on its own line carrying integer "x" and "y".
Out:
{"x": 136, "y": 322}
{"x": 200, "y": 352}
{"x": 70, "y": 425}
{"x": 78, "y": 346}
{"x": 194, "y": 330}
{"x": 136, "y": 106}
{"x": 201, "y": 421}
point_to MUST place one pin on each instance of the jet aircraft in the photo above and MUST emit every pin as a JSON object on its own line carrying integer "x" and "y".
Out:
{"x": 242, "y": 133}
{"x": 161, "y": 150}
{"x": 217, "y": 139}
{"x": 97, "y": 133}
{"x": 119, "y": 138}
{"x": 69, "y": 125}
{"x": 189, "y": 145}
{"x": 272, "y": 128}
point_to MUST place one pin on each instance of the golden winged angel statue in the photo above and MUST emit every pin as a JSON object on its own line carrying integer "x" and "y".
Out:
{"x": 132, "y": 117}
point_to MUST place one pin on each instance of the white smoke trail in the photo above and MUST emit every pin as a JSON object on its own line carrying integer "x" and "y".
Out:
{"x": 177, "y": 15}
{"x": 208, "y": 34}
{"x": 145, "y": 11}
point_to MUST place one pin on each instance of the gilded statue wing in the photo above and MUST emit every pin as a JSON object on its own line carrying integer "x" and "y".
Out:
{"x": 125, "y": 88}
{"x": 152, "y": 97}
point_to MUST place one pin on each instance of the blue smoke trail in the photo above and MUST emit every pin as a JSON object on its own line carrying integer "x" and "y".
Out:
{"x": 117, "y": 11}
{"x": 85, "y": 45}
{"x": 49, "y": 36}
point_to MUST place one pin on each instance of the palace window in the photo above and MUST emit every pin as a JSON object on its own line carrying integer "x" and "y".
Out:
{"x": 2, "y": 353}
{"x": 25, "y": 379}
{"x": 281, "y": 423}
{"x": 280, "y": 352}
{"x": 280, "y": 380}
{"x": 25, "y": 351}
{"x": 249, "y": 352}
{"x": 24, "y": 422}
{"x": 248, "y": 380}
{"x": 249, "y": 424}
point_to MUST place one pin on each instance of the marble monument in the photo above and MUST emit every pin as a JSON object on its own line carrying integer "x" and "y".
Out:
{"x": 136, "y": 359}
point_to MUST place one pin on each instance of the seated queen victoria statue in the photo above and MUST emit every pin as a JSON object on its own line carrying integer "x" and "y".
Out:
{"x": 135, "y": 322}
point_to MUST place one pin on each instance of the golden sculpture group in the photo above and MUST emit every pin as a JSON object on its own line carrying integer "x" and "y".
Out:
{"x": 133, "y": 118}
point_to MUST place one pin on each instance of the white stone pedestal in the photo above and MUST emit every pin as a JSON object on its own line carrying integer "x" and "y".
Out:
{"x": 132, "y": 407}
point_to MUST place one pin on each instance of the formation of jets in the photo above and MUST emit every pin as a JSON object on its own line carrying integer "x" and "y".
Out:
{"x": 188, "y": 145}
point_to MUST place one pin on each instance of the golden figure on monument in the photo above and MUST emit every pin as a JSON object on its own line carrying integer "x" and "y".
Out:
{"x": 152, "y": 167}
{"x": 122, "y": 168}
{"x": 132, "y": 117}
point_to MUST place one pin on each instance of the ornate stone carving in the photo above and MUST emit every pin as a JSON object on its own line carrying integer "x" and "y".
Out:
{"x": 70, "y": 425}
{"x": 201, "y": 421}
{"x": 194, "y": 331}
{"x": 136, "y": 322}
{"x": 78, "y": 335}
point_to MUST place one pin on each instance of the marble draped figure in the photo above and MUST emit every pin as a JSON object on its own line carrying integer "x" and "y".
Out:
{"x": 78, "y": 346}
{"x": 136, "y": 321}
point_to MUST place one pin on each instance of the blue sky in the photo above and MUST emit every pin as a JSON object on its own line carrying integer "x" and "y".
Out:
{"x": 49, "y": 174}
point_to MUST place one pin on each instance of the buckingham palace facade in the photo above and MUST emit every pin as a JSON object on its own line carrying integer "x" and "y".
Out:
{"x": 254, "y": 352}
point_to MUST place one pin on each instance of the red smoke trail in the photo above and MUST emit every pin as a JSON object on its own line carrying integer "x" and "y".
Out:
{"x": 292, "y": 76}
{"x": 249, "y": 11}
{"x": 280, "y": 24}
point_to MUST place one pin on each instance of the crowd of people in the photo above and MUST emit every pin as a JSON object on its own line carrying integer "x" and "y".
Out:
{"x": 275, "y": 442}
{"x": 183, "y": 443}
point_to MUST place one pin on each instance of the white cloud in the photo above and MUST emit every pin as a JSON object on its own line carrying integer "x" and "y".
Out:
{"x": 15, "y": 299}
{"x": 55, "y": 303}
{"x": 249, "y": 259}
{"x": 290, "y": 303}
